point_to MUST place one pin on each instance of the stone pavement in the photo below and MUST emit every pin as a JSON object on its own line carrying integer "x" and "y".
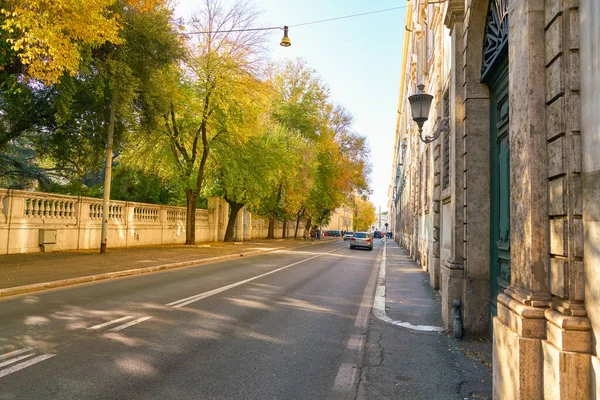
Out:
{"x": 408, "y": 354}
{"x": 22, "y": 273}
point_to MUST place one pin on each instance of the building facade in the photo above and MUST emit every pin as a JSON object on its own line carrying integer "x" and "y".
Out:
{"x": 342, "y": 219}
{"x": 503, "y": 208}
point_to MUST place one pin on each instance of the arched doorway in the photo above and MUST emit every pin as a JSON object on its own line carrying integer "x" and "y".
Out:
{"x": 494, "y": 73}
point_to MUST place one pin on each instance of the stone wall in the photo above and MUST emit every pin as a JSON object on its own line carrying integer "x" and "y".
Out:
{"x": 77, "y": 223}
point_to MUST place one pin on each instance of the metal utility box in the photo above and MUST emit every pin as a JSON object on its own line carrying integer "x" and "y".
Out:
{"x": 47, "y": 239}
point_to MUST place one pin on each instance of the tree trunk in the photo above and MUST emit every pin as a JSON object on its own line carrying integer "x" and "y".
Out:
{"x": 234, "y": 209}
{"x": 284, "y": 230}
{"x": 271, "y": 231}
{"x": 299, "y": 216}
{"x": 190, "y": 218}
{"x": 307, "y": 227}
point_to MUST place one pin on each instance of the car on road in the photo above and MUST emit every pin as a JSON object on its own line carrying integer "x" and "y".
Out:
{"x": 333, "y": 232}
{"x": 348, "y": 235}
{"x": 378, "y": 235}
{"x": 361, "y": 239}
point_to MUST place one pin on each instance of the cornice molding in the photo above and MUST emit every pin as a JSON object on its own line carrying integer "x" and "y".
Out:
{"x": 455, "y": 13}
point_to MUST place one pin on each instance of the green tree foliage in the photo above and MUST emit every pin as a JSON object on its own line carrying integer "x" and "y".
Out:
{"x": 44, "y": 38}
{"x": 243, "y": 173}
{"x": 211, "y": 98}
{"x": 365, "y": 216}
{"x": 65, "y": 124}
{"x": 334, "y": 164}
{"x": 134, "y": 184}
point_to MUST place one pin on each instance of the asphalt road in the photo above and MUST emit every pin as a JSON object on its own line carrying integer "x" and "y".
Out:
{"x": 283, "y": 325}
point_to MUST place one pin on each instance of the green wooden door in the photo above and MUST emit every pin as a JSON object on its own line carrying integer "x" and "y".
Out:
{"x": 499, "y": 185}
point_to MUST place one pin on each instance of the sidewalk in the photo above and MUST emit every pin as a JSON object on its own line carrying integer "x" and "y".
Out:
{"x": 408, "y": 355}
{"x": 22, "y": 273}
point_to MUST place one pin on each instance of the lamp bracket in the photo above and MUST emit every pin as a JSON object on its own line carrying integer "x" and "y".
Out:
{"x": 443, "y": 126}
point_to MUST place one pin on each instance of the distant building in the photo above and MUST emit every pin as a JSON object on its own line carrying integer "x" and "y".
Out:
{"x": 381, "y": 220}
{"x": 342, "y": 218}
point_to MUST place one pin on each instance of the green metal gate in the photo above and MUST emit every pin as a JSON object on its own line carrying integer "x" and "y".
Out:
{"x": 499, "y": 184}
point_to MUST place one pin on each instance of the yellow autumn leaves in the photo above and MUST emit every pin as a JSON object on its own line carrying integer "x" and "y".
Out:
{"x": 47, "y": 35}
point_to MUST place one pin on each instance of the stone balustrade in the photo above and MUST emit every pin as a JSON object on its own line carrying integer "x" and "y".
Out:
{"x": 77, "y": 221}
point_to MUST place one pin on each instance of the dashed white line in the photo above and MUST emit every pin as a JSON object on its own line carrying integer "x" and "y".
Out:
{"x": 114, "y": 321}
{"x": 356, "y": 342}
{"x": 131, "y": 323}
{"x": 346, "y": 377}
{"x": 25, "y": 364}
{"x": 188, "y": 300}
{"x": 15, "y": 352}
{"x": 14, "y": 360}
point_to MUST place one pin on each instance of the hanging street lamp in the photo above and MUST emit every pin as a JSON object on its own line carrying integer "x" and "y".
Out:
{"x": 285, "y": 41}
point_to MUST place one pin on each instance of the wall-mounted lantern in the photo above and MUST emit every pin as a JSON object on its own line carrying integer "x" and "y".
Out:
{"x": 420, "y": 104}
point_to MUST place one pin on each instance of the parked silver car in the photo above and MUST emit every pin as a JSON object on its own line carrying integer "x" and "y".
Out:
{"x": 361, "y": 239}
{"x": 348, "y": 235}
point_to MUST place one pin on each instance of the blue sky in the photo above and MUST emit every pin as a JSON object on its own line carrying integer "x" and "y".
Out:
{"x": 358, "y": 58}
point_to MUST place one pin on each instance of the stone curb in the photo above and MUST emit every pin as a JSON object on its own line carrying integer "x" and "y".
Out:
{"x": 129, "y": 272}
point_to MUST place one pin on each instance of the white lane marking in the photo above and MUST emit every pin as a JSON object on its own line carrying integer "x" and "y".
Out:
{"x": 356, "y": 342}
{"x": 379, "y": 306}
{"x": 346, "y": 377}
{"x": 131, "y": 323}
{"x": 197, "y": 297}
{"x": 25, "y": 364}
{"x": 15, "y": 352}
{"x": 14, "y": 360}
{"x": 114, "y": 321}
{"x": 366, "y": 303}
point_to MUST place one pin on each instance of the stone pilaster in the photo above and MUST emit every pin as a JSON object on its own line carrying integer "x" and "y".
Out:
{"x": 520, "y": 327}
{"x": 567, "y": 361}
{"x": 452, "y": 271}
{"x": 472, "y": 165}
{"x": 589, "y": 18}
{"x": 517, "y": 354}
{"x": 434, "y": 269}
